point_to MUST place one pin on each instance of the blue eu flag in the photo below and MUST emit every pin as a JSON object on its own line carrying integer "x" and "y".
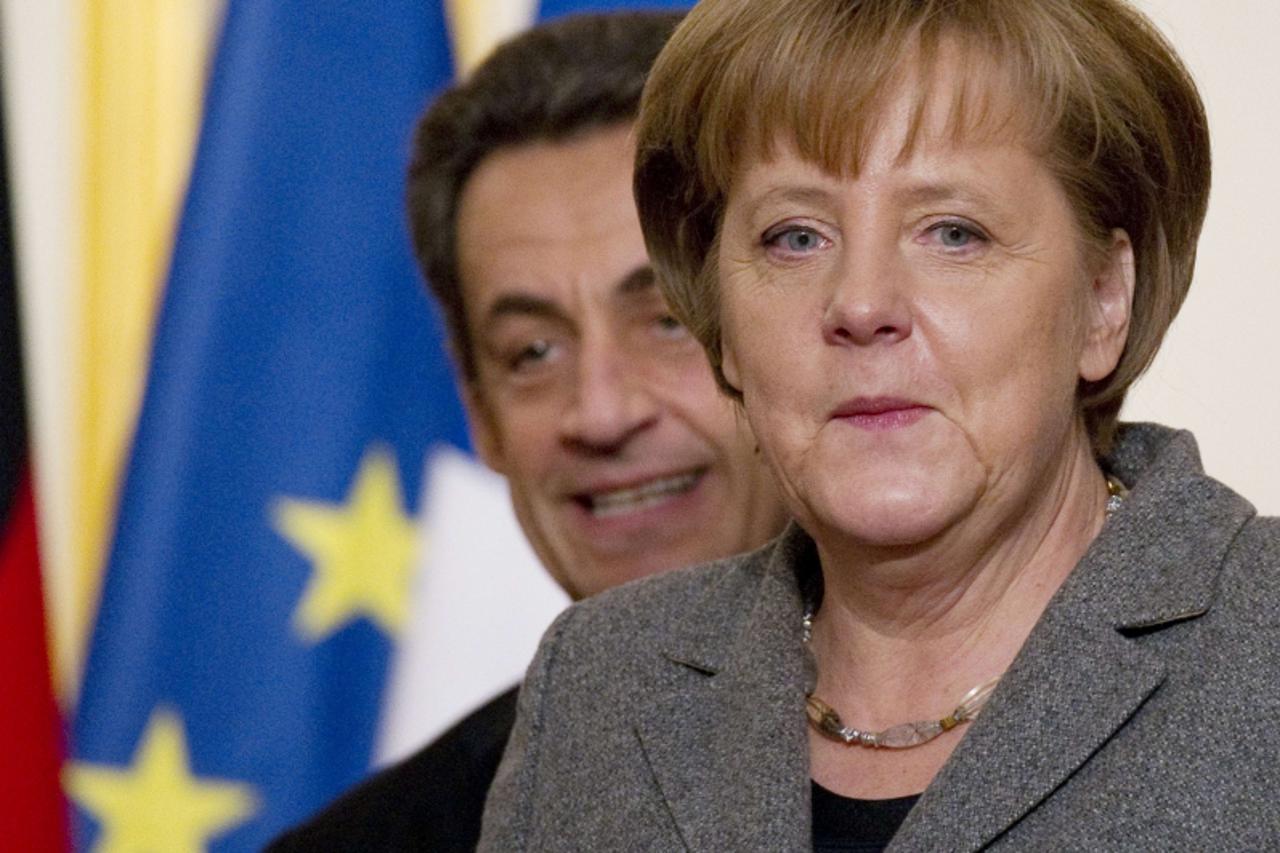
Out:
{"x": 265, "y": 537}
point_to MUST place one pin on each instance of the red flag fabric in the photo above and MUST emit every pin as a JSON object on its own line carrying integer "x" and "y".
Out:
{"x": 33, "y": 813}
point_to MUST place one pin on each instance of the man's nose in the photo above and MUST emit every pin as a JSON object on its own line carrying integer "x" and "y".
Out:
{"x": 612, "y": 401}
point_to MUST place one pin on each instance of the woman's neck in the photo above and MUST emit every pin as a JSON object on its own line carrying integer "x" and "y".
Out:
{"x": 911, "y": 629}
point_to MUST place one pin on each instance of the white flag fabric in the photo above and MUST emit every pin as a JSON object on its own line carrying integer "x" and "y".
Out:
{"x": 480, "y": 603}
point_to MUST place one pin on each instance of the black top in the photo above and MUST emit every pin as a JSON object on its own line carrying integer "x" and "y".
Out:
{"x": 432, "y": 800}
{"x": 844, "y": 825}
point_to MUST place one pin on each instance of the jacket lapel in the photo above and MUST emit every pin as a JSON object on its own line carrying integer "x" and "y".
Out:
{"x": 1083, "y": 673}
{"x": 725, "y": 732}
{"x": 726, "y": 741}
{"x": 1070, "y": 691}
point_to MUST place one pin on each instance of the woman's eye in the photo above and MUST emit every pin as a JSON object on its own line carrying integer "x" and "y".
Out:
{"x": 795, "y": 240}
{"x": 957, "y": 235}
{"x": 800, "y": 241}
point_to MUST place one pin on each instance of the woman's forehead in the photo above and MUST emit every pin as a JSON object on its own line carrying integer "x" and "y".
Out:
{"x": 949, "y": 102}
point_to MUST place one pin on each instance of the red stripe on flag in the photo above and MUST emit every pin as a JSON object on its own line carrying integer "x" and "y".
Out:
{"x": 33, "y": 813}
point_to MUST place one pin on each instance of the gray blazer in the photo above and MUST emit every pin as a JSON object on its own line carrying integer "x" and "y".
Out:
{"x": 1143, "y": 713}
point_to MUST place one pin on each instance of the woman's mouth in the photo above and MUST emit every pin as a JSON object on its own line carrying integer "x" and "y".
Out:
{"x": 880, "y": 413}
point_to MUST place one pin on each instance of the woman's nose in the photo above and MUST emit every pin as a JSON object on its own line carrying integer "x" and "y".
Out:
{"x": 868, "y": 304}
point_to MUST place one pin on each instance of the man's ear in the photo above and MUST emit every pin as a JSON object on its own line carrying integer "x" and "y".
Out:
{"x": 481, "y": 426}
{"x": 1110, "y": 305}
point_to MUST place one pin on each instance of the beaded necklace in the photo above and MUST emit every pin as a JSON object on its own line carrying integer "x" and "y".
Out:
{"x": 826, "y": 720}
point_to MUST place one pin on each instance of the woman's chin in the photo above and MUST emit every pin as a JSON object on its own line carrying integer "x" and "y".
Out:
{"x": 892, "y": 520}
{"x": 899, "y": 532}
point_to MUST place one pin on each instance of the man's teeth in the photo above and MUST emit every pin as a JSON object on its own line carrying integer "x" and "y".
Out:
{"x": 641, "y": 497}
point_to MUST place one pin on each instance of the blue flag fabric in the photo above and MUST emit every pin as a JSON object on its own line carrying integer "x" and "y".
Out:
{"x": 294, "y": 339}
{"x": 298, "y": 381}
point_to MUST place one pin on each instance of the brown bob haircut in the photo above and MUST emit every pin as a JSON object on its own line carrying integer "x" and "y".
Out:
{"x": 551, "y": 83}
{"x": 1096, "y": 91}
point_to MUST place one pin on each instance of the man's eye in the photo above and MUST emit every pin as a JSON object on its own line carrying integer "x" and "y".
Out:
{"x": 533, "y": 353}
{"x": 669, "y": 327}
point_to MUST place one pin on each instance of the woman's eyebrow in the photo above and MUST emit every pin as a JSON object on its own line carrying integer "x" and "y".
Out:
{"x": 803, "y": 193}
{"x": 935, "y": 191}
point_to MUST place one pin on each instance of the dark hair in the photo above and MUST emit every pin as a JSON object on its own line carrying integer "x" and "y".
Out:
{"x": 553, "y": 82}
{"x": 1105, "y": 99}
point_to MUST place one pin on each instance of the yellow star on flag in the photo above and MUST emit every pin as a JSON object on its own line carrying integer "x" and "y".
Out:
{"x": 362, "y": 552}
{"x": 157, "y": 804}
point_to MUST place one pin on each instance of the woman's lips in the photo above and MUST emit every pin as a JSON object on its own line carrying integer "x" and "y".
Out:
{"x": 880, "y": 413}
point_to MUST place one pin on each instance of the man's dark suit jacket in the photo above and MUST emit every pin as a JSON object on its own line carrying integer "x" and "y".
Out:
{"x": 432, "y": 800}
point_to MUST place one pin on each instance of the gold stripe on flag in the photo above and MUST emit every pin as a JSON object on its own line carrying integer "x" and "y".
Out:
{"x": 144, "y": 67}
{"x": 477, "y": 26}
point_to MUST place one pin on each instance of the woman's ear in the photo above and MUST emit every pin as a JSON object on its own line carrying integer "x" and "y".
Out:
{"x": 729, "y": 365}
{"x": 1109, "y": 307}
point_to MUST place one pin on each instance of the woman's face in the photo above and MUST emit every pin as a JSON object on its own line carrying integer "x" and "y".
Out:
{"x": 908, "y": 342}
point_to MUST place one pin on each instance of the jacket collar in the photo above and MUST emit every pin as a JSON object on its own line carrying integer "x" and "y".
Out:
{"x": 1082, "y": 672}
{"x": 729, "y": 746}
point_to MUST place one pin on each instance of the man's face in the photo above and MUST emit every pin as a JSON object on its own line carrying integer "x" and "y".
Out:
{"x": 599, "y": 408}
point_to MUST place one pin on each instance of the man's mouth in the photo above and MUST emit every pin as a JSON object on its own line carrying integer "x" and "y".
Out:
{"x": 636, "y": 498}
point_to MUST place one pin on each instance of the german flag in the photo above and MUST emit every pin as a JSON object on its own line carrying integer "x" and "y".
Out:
{"x": 33, "y": 813}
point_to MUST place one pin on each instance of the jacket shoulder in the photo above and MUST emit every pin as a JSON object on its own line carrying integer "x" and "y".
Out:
{"x": 599, "y": 659}
{"x": 623, "y": 637}
{"x": 1250, "y": 585}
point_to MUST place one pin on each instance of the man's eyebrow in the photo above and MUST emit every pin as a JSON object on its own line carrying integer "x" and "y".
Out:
{"x": 522, "y": 305}
{"x": 639, "y": 280}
